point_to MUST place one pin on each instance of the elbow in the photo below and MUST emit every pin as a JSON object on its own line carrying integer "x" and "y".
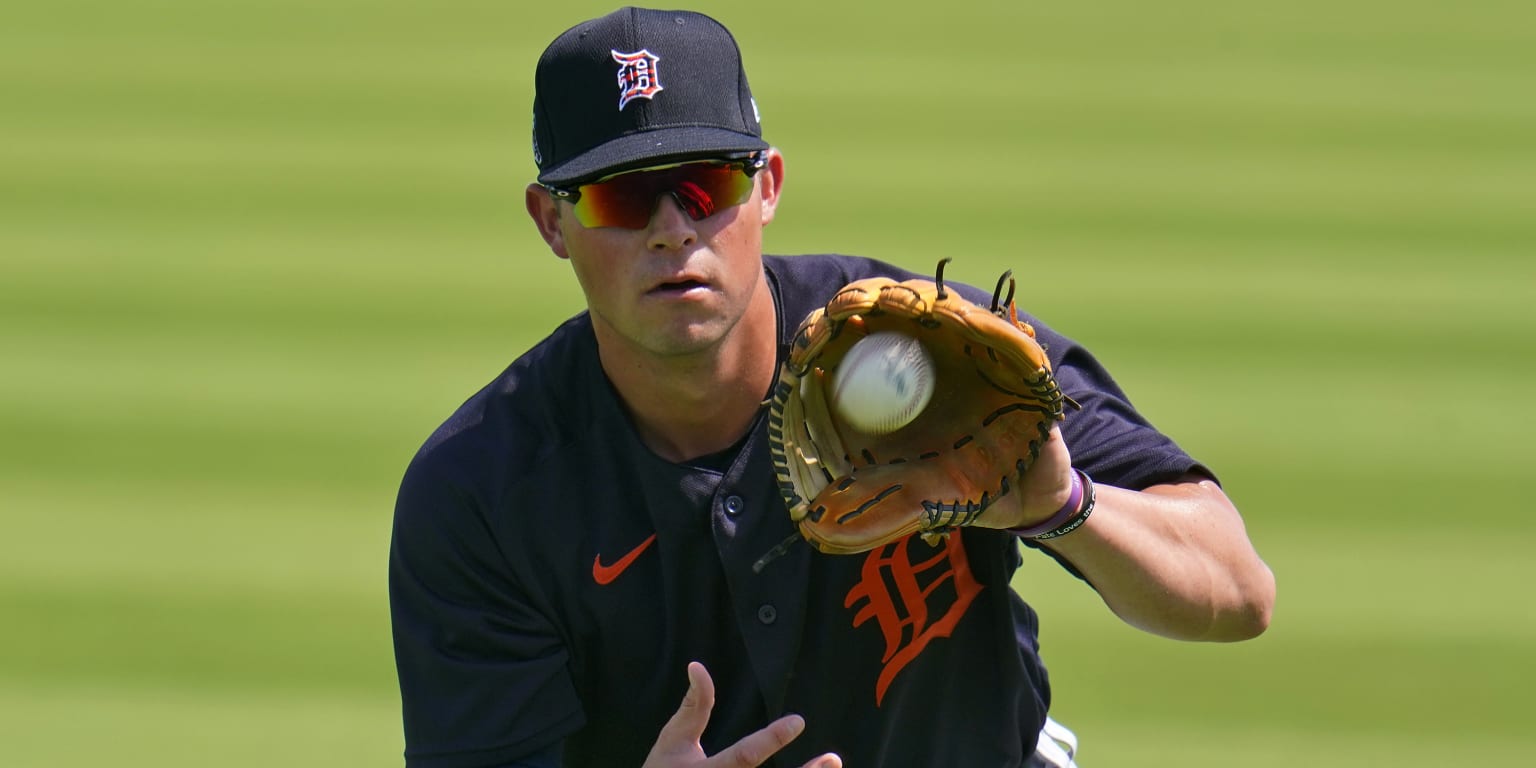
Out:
{"x": 1255, "y": 607}
{"x": 1250, "y": 622}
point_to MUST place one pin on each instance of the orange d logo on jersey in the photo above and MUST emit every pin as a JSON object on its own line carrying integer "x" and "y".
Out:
{"x": 637, "y": 76}
{"x": 913, "y": 603}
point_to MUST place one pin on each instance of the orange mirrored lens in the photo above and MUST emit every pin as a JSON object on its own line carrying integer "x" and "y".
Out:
{"x": 627, "y": 200}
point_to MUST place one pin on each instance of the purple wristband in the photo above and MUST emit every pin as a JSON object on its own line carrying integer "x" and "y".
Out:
{"x": 1079, "y": 518}
{"x": 1064, "y": 515}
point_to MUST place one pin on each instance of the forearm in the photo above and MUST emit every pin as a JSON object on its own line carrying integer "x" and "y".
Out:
{"x": 1173, "y": 560}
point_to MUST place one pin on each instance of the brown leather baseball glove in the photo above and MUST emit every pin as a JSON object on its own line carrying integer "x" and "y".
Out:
{"x": 993, "y": 406}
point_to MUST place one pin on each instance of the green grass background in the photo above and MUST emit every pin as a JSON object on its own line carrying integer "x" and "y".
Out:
{"x": 253, "y": 251}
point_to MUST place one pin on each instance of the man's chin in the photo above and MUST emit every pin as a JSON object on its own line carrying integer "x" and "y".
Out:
{"x": 688, "y": 339}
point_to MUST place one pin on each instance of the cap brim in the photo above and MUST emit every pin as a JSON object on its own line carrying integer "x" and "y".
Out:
{"x": 655, "y": 147}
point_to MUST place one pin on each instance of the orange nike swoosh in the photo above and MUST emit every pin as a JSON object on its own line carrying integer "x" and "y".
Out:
{"x": 605, "y": 574}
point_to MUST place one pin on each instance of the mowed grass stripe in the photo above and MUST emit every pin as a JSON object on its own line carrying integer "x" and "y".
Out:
{"x": 1348, "y": 655}
{"x": 1364, "y": 684}
{"x": 199, "y": 537}
{"x": 1267, "y": 745}
{"x": 138, "y": 725}
{"x": 197, "y": 639}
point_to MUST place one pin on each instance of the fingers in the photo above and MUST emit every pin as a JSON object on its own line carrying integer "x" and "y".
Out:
{"x": 678, "y": 742}
{"x": 758, "y": 746}
{"x": 682, "y": 731}
{"x": 700, "y": 699}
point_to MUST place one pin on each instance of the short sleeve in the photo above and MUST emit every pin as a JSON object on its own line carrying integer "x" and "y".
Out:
{"x": 1109, "y": 439}
{"x": 484, "y": 675}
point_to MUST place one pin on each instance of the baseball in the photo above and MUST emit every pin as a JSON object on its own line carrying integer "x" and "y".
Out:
{"x": 883, "y": 383}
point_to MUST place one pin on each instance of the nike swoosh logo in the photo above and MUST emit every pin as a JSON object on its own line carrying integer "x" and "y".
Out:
{"x": 605, "y": 574}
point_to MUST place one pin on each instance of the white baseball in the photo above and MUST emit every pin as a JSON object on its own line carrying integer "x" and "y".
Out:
{"x": 883, "y": 383}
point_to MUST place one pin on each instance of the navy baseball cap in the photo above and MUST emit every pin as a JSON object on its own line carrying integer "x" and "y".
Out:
{"x": 638, "y": 88}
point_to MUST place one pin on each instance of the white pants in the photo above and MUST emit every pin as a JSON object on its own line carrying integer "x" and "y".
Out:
{"x": 1057, "y": 747}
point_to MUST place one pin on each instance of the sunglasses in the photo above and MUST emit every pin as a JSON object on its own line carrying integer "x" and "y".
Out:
{"x": 627, "y": 200}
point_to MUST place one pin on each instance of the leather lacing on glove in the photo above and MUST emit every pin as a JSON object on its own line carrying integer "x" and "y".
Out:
{"x": 994, "y": 404}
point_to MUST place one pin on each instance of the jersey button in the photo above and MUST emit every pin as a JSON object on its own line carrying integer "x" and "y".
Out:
{"x": 767, "y": 614}
{"x": 734, "y": 505}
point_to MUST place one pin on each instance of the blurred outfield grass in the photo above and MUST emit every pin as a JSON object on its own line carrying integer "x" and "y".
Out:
{"x": 251, "y": 253}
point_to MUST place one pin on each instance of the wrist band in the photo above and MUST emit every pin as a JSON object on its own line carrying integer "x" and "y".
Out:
{"x": 1073, "y": 514}
{"x": 1082, "y": 514}
{"x": 1062, "y": 516}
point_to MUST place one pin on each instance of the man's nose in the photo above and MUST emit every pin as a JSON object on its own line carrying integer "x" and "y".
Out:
{"x": 671, "y": 227}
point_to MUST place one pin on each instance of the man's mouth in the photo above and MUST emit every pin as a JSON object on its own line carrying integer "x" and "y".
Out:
{"x": 679, "y": 286}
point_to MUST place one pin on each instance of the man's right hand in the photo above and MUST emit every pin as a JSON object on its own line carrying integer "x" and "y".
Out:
{"x": 678, "y": 744}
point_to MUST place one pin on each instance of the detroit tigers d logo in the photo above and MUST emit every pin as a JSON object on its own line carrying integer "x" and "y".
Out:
{"x": 913, "y": 601}
{"x": 637, "y": 76}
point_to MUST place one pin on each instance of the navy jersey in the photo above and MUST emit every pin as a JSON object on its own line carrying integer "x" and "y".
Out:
{"x": 551, "y": 577}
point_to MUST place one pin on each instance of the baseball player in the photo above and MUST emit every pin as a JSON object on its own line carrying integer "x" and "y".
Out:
{"x": 577, "y": 572}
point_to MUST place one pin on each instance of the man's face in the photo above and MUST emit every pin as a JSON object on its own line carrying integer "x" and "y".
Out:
{"x": 677, "y": 286}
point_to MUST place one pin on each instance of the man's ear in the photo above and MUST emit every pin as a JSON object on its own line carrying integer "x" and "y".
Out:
{"x": 545, "y": 212}
{"x": 770, "y": 184}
